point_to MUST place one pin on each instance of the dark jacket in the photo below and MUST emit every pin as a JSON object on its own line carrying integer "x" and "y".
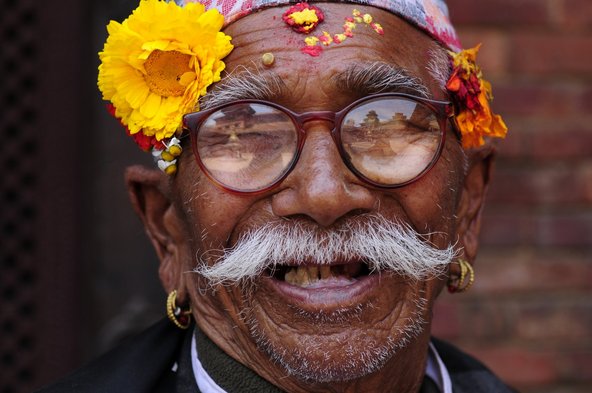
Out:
{"x": 144, "y": 364}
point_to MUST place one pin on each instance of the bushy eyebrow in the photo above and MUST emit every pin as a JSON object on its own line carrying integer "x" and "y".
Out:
{"x": 360, "y": 79}
{"x": 378, "y": 77}
{"x": 244, "y": 84}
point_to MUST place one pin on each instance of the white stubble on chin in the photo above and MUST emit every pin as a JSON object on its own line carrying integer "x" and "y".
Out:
{"x": 354, "y": 359}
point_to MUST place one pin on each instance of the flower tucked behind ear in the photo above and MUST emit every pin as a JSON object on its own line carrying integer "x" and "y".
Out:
{"x": 472, "y": 94}
{"x": 157, "y": 63}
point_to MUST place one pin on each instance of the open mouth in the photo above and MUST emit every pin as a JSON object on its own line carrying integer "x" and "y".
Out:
{"x": 320, "y": 276}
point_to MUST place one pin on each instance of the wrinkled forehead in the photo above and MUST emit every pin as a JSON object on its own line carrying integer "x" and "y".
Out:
{"x": 431, "y": 16}
{"x": 369, "y": 63}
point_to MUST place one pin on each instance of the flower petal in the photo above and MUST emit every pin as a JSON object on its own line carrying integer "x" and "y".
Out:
{"x": 154, "y": 102}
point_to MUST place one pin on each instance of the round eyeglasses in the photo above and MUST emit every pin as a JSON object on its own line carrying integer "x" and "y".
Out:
{"x": 388, "y": 140}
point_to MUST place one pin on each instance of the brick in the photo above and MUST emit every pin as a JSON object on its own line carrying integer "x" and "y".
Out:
{"x": 537, "y": 138}
{"x": 485, "y": 320}
{"x": 577, "y": 14}
{"x": 578, "y": 366}
{"x": 511, "y": 185}
{"x": 554, "y": 184}
{"x": 445, "y": 323}
{"x": 543, "y": 145}
{"x": 530, "y": 270}
{"x": 528, "y": 13}
{"x": 567, "y": 229}
{"x": 551, "y": 54}
{"x": 548, "y": 229}
{"x": 548, "y": 323}
{"x": 519, "y": 366}
{"x": 586, "y": 100}
{"x": 568, "y": 145}
{"x": 586, "y": 179}
{"x": 537, "y": 99}
{"x": 514, "y": 145}
{"x": 509, "y": 228}
{"x": 540, "y": 123}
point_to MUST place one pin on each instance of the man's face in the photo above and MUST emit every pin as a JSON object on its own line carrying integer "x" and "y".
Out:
{"x": 350, "y": 322}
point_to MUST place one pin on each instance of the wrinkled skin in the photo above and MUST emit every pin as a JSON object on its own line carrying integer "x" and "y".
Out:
{"x": 188, "y": 215}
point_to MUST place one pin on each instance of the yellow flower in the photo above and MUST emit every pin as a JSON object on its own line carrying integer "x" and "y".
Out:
{"x": 159, "y": 61}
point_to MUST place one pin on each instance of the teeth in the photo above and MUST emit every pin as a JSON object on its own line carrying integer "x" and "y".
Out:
{"x": 302, "y": 275}
{"x": 305, "y": 276}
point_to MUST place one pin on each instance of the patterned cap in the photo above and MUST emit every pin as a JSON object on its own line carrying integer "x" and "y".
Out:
{"x": 430, "y": 16}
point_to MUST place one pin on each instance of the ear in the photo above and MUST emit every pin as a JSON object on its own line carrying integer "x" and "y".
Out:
{"x": 472, "y": 199}
{"x": 150, "y": 193}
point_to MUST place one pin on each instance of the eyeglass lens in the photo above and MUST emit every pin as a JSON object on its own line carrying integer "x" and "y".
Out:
{"x": 387, "y": 140}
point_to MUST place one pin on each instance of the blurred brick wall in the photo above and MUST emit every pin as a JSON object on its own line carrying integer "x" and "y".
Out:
{"x": 529, "y": 315}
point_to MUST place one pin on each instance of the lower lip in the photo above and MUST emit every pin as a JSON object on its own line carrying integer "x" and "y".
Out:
{"x": 328, "y": 296}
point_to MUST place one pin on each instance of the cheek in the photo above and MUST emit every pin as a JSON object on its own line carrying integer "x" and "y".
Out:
{"x": 214, "y": 217}
{"x": 431, "y": 203}
{"x": 210, "y": 213}
{"x": 216, "y": 214}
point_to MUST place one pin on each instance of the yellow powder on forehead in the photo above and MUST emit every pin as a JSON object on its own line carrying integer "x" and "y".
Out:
{"x": 304, "y": 17}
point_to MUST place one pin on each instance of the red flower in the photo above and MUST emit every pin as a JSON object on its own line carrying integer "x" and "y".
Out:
{"x": 145, "y": 143}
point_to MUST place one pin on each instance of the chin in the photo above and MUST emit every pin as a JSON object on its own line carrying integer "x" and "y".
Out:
{"x": 334, "y": 344}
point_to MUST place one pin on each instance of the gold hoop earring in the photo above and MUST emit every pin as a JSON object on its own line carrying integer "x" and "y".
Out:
{"x": 181, "y": 318}
{"x": 460, "y": 283}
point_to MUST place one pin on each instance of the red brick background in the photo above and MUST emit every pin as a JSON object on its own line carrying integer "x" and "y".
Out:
{"x": 529, "y": 314}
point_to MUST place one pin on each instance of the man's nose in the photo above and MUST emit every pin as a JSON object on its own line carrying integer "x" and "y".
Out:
{"x": 321, "y": 186}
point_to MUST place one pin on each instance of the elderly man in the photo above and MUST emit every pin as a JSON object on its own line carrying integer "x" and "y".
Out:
{"x": 322, "y": 184}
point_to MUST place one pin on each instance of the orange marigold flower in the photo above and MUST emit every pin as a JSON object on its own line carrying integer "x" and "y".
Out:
{"x": 472, "y": 95}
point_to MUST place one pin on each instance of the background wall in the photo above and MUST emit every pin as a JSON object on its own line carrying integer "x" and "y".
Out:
{"x": 77, "y": 274}
{"x": 529, "y": 315}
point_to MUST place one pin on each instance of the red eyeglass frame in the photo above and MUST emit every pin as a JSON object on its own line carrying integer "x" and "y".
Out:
{"x": 444, "y": 110}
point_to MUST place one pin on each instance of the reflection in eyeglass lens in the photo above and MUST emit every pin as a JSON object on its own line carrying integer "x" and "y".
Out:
{"x": 247, "y": 146}
{"x": 390, "y": 140}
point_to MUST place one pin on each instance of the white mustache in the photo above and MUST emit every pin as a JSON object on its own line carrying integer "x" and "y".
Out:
{"x": 383, "y": 244}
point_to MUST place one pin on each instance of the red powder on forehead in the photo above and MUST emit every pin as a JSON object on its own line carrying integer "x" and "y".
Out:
{"x": 314, "y": 51}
